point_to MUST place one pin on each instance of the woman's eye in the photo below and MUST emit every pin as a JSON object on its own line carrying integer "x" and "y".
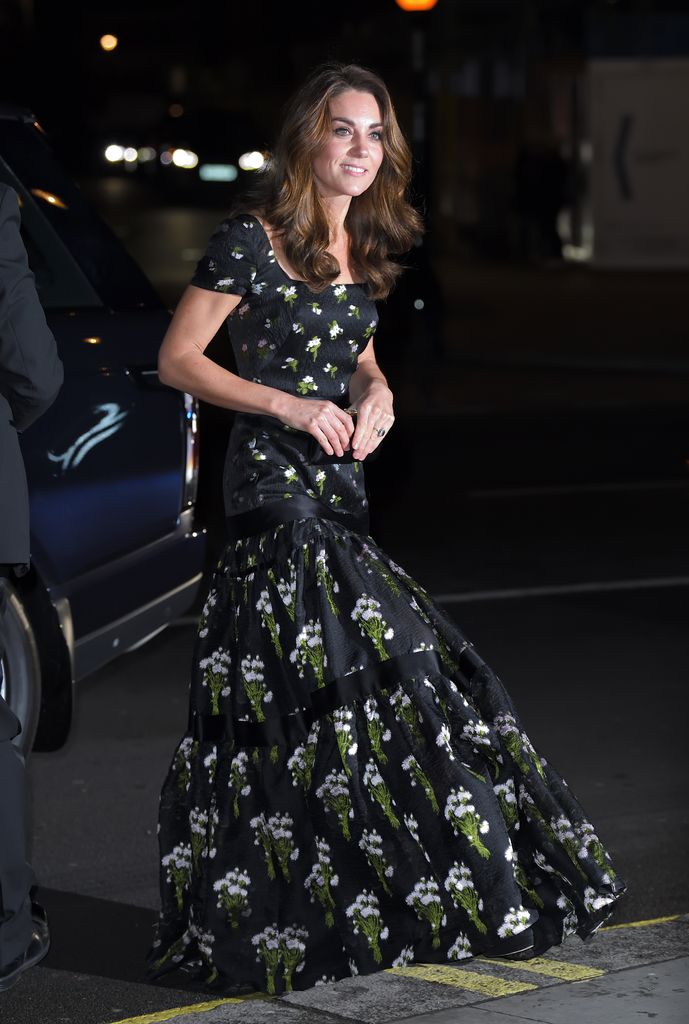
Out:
{"x": 377, "y": 136}
{"x": 342, "y": 130}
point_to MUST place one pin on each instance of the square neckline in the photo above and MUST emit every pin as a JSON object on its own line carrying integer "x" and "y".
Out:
{"x": 299, "y": 280}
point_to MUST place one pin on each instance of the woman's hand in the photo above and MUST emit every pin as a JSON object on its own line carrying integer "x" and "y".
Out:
{"x": 374, "y": 418}
{"x": 331, "y": 426}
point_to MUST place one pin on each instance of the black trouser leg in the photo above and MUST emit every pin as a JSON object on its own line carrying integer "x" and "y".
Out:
{"x": 16, "y": 876}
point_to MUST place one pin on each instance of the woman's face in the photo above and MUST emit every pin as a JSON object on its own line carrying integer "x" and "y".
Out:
{"x": 349, "y": 160}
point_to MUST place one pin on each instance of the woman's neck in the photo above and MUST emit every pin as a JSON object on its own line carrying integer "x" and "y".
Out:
{"x": 336, "y": 210}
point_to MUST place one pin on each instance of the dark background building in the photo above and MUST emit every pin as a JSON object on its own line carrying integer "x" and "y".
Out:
{"x": 480, "y": 84}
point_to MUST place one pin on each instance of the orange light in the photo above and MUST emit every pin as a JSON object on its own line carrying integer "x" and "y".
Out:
{"x": 49, "y": 197}
{"x": 416, "y": 5}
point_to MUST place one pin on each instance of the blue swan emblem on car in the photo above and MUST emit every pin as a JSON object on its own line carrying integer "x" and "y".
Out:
{"x": 111, "y": 421}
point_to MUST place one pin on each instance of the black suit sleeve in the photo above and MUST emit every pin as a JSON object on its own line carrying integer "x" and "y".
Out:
{"x": 30, "y": 369}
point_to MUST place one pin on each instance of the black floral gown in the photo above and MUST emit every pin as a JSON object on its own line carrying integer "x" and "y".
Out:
{"x": 355, "y": 790}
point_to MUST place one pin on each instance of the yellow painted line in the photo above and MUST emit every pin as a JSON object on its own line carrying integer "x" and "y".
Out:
{"x": 178, "y": 1011}
{"x": 550, "y": 968}
{"x": 441, "y": 975}
{"x": 642, "y": 924}
{"x": 484, "y": 984}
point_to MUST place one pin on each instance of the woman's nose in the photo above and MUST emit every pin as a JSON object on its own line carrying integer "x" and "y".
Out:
{"x": 359, "y": 146}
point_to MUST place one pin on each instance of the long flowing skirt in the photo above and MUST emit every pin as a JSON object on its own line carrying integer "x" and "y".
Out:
{"x": 355, "y": 790}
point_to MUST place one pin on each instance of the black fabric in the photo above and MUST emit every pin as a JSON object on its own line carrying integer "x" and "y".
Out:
{"x": 304, "y": 343}
{"x": 291, "y": 729}
{"x": 30, "y": 377}
{"x": 10, "y": 726}
{"x": 16, "y": 876}
{"x": 273, "y": 513}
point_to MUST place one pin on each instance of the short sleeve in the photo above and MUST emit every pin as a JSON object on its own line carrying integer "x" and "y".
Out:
{"x": 229, "y": 263}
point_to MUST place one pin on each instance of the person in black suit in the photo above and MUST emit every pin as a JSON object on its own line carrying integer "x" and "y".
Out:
{"x": 30, "y": 378}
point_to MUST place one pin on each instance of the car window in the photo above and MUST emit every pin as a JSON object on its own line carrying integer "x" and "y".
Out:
{"x": 60, "y": 282}
{"x": 102, "y": 260}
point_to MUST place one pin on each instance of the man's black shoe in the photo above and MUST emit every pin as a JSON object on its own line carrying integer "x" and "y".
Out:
{"x": 39, "y": 944}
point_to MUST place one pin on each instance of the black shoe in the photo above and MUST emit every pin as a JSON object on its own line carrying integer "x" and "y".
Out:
{"x": 39, "y": 944}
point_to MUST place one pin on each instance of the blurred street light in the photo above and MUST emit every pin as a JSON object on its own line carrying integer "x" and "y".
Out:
{"x": 49, "y": 197}
{"x": 108, "y": 42}
{"x": 184, "y": 158}
{"x": 252, "y": 161}
{"x": 114, "y": 153}
{"x": 218, "y": 172}
{"x": 416, "y": 5}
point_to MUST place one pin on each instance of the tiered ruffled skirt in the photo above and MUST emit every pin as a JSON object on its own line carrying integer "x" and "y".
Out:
{"x": 356, "y": 790}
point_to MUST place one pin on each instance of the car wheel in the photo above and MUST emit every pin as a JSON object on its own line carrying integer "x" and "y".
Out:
{"x": 21, "y": 667}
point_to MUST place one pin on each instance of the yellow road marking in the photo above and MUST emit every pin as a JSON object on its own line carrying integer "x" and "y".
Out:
{"x": 550, "y": 968}
{"x": 642, "y": 924}
{"x": 484, "y": 984}
{"x": 162, "y": 1015}
{"x": 442, "y": 975}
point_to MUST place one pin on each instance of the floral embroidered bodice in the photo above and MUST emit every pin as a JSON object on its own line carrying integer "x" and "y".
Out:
{"x": 285, "y": 336}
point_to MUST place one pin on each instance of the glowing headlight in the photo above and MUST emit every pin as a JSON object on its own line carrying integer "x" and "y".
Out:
{"x": 252, "y": 161}
{"x": 184, "y": 158}
{"x": 113, "y": 154}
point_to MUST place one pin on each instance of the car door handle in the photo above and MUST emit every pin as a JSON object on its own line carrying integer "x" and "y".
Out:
{"x": 146, "y": 377}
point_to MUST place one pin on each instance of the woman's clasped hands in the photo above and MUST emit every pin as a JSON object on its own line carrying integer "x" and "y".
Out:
{"x": 361, "y": 428}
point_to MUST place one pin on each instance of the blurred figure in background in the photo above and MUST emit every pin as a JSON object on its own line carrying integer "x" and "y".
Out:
{"x": 30, "y": 378}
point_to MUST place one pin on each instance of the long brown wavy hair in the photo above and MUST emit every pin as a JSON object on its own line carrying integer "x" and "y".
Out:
{"x": 380, "y": 222}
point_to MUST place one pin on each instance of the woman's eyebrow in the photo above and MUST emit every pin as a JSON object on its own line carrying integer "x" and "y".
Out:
{"x": 346, "y": 120}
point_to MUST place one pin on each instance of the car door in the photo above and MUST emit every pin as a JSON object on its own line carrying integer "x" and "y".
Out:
{"x": 107, "y": 464}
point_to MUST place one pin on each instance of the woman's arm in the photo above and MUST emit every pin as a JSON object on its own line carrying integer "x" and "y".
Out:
{"x": 182, "y": 364}
{"x": 369, "y": 392}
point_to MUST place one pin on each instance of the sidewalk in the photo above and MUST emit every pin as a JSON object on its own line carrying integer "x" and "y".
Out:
{"x": 626, "y": 973}
{"x": 659, "y": 994}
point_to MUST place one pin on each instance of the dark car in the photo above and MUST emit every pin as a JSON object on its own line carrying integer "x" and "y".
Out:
{"x": 112, "y": 466}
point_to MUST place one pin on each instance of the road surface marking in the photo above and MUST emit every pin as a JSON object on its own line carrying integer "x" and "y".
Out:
{"x": 484, "y": 984}
{"x": 159, "y": 1016}
{"x": 642, "y": 924}
{"x": 559, "y": 969}
{"x": 439, "y": 974}
{"x": 591, "y": 587}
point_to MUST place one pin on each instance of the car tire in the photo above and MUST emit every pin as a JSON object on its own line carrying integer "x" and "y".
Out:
{"x": 21, "y": 664}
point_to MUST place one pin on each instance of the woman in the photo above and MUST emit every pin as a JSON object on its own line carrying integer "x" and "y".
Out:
{"x": 355, "y": 790}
